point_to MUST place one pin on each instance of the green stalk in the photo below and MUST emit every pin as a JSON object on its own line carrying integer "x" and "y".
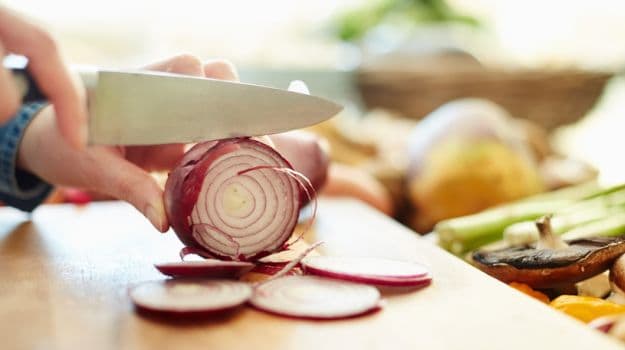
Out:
{"x": 579, "y": 192}
{"x": 462, "y": 234}
{"x": 466, "y": 233}
{"x": 569, "y": 217}
{"x": 606, "y": 200}
{"x": 611, "y": 226}
{"x": 526, "y": 232}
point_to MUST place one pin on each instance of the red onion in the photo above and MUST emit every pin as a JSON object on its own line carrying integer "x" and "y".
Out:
{"x": 234, "y": 199}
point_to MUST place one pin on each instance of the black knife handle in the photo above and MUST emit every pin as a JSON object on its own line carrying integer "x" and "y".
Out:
{"x": 26, "y": 85}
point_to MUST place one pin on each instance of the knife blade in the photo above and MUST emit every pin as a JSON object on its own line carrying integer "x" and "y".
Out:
{"x": 142, "y": 108}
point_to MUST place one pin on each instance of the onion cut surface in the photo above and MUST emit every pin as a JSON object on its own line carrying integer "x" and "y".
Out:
{"x": 189, "y": 297}
{"x": 376, "y": 271}
{"x": 229, "y": 199}
{"x": 209, "y": 268}
{"x": 311, "y": 297}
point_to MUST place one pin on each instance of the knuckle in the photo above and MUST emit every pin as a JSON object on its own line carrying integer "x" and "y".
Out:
{"x": 186, "y": 63}
{"x": 224, "y": 64}
{"x": 222, "y": 69}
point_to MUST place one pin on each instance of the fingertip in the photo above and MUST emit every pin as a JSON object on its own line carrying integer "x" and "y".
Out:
{"x": 155, "y": 212}
{"x": 124, "y": 180}
{"x": 221, "y": 69}
{"x": 185, "y": 63}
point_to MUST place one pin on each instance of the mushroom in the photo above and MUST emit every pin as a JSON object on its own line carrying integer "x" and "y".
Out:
{"x": 617, "y": 281}
{"x": 551, "y": 263}
{"x": 597, "y": 286}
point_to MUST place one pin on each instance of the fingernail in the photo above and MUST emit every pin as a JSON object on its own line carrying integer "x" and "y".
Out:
{"x": 154, "y": 217}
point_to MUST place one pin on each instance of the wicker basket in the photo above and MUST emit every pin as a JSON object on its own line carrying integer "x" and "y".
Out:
{"x": 550, "y": 98}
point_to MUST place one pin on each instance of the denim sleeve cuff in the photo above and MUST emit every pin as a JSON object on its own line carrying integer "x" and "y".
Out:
{"x": 18, "y": 188}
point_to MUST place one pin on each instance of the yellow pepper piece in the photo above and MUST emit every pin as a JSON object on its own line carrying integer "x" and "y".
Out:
{"x": 525, "y": 289}
{"x": 586, "y": 309}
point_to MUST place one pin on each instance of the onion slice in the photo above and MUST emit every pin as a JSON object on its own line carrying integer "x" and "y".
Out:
{"x": 209, "y": 268}
{"x": 189, "y": 298}
{"x": 375, "y": 271}
{"x": 311, "y": 297}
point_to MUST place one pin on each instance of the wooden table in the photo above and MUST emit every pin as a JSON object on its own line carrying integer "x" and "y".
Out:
{"x": 65, "y": 274}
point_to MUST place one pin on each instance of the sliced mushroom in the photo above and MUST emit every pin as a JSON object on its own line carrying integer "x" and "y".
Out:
{"x": 597, "y": 286}
{"x": 551, "y": 262}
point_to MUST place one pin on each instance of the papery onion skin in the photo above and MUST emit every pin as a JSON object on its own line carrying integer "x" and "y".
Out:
{"x": 185, "y": 184}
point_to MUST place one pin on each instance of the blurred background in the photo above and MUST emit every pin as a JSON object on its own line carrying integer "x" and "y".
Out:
{"x": 546, "y": 103}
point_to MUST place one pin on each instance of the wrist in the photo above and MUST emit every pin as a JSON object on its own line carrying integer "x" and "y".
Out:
{"x": 32, "y": 140}
{"x": 19, "y": 188}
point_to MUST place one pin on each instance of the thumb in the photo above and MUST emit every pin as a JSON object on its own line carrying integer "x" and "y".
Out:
{"x": 136, "y": 187}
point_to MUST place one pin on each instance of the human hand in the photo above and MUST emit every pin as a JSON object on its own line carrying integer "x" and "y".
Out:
{"x": 121, "y": 172}
{"x": 45, "y": 63}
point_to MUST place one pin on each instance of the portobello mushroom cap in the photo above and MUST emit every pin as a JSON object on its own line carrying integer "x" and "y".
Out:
{"x": 548, "y": 268}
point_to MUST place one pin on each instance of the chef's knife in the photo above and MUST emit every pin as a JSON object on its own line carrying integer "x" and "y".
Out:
{"x": 141, "y": 107}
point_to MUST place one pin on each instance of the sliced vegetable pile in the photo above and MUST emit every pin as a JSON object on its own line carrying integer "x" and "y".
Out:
{"x": 236, "y": 203}
{"x": 578, "y": 212}
{"x": 556, "y": 247}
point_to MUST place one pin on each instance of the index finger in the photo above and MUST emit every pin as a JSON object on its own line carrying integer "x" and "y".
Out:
{"x": 49, "y": 71}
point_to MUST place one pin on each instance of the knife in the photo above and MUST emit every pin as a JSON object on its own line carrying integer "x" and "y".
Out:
{"x": 128, "y": 107}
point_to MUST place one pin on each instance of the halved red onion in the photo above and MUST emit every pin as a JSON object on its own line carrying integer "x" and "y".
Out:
{"x": 210, "y": 268}
{"x": 230, "y": 199}
{"x": 311, "y": 297}
{"x": 189, "y": 298}
{"x": 376, "y": 271}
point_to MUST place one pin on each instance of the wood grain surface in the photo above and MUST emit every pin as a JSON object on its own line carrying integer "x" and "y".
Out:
{"x": 66, "y": 271}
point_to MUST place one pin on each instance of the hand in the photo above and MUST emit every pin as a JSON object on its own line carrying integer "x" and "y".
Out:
{"x": 45, "y": 63}
{"x": 121, "y": 172}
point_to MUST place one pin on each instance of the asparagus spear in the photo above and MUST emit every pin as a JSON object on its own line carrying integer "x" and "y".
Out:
{"x": 525, "y": 232}
{"x": 580, "y": 213}
{"x": 610, "y": 226}
{"x": 466, "y": 233}
{"x": 579, "y": 192}
{"x": 462, "y": 234}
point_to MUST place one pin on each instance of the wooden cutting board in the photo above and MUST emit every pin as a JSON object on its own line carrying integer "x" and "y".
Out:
{"x": 65, "y": 274}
